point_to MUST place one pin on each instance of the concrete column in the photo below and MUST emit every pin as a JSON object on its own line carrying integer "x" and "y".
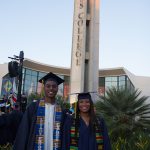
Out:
{"x": 85, "y": 48}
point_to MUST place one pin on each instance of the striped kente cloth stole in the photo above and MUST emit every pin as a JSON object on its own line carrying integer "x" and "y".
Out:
{"x": 39, "y": 137}
{"x": 74, "y": 139}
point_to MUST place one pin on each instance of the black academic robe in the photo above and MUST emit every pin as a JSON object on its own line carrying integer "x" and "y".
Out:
{"x": 9, "y": 124}
{"x": 25, "y": 137}
{"x": 87, "y": 140}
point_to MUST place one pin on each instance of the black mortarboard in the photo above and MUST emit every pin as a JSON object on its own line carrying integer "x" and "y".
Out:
{"x": 53, "y": 77}
{"x": 86, "y": 95}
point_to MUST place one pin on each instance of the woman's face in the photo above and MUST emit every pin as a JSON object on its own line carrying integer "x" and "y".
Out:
{"x": 84, "y": 105}
{"x": 51, "y": 89}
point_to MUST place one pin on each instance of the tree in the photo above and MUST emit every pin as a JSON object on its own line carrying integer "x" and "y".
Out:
{"x": 125, "y": 112}
{"x": 33, "y": 96}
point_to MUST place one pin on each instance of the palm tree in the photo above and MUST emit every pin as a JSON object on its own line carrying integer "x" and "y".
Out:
{"x": 125, "y": 112}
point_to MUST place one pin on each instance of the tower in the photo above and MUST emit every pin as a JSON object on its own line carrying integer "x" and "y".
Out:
{"x": 85, "y": 47}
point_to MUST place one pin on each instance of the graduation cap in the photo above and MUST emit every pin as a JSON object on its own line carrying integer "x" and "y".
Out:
{"x": 86, "y": 95}
{"x": 53, "y": 77}
{"x": 82, "y": 95}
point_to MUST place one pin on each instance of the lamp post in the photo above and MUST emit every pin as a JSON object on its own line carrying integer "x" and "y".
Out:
{"x": 21, "y": 58}
{"x": 15, "y": 70}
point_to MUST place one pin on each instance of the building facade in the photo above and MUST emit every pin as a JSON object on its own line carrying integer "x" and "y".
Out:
{"x": 33, "y": 71}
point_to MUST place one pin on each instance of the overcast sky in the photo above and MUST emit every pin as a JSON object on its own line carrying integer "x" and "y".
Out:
{"x": 43, "y": 30}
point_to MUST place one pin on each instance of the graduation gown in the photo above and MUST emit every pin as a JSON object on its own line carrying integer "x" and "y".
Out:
{"x": 8, "y": 126}
{"x": 25, "y": 137}
{"x": 87, "y": 140}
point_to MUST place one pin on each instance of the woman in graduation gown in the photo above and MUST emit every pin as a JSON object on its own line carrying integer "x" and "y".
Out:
{"x": 85, "y": 131}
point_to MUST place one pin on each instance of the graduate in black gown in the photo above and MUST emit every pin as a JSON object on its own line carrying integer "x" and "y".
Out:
{"x": 9, "y": 124}
{"x": 42, "y": 122}
{"x": 85, "y": 131}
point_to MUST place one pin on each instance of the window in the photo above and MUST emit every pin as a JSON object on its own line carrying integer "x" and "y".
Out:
{"x": 122, "y": 81}
{"x": 28, "y": 71}
{"x": 111, "y": 82}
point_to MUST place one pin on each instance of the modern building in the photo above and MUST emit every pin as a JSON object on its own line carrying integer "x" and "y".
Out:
{"x": 33, "y": 71}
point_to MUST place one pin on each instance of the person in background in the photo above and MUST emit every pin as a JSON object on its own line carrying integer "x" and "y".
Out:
{"x": 85, "y": 131}
{"x": 5, "y": 98}
{"x": 9, "y": 123}
{"x": 2, "y": 105}
{"x": 41, "y": 125}
{"x": 23, "y": 102}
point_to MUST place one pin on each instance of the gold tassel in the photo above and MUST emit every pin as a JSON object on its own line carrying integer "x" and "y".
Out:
{"x": 75, "y": 106}
{"x": 75, "y": 109}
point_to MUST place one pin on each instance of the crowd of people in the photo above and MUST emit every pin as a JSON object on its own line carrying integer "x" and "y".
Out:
{"x": 7, "y": 103}
{"x": 10, "y": 103}
{"x": 45, "y": 125}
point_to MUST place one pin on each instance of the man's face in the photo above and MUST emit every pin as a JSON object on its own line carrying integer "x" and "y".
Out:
{"x": 51, "y": 89}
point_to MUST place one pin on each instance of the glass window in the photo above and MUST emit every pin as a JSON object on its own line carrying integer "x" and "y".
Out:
{"x": 67, "y": 79}
{"x": 107, "y": 79}
{"x": 114, "y": 79}
{"x": 34, "y": 78}
{"x": 129, "y": 84}
{"x": 121, "y": 78}
{"x": 122, "y": 83}
{"x": 110, "y": 79}
{"x": 34, "y": 73}
{"x": 113, "y": 84}
{"x": 41, "y": 74}
{"x": 102, "y": 81}
{"x": 26, "y": 87}
{"x": 108, "y": 84}
{"x": 23, "y": 70}
{"x": 27, "y": 82}
{"x": 28, "y": 77}
{"x": 61, "y": 87}
{"x": 28, "y": 71}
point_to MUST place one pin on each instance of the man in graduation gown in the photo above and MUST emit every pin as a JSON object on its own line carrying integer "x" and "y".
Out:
{"x": 41, "y": 125}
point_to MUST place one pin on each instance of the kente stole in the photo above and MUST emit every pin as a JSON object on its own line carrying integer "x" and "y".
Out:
{"x": 74, "y": 139}
{"x": 39, "y": 137}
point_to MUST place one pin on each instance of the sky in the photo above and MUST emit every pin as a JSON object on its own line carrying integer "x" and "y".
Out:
{"x": 42, "y": 29}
